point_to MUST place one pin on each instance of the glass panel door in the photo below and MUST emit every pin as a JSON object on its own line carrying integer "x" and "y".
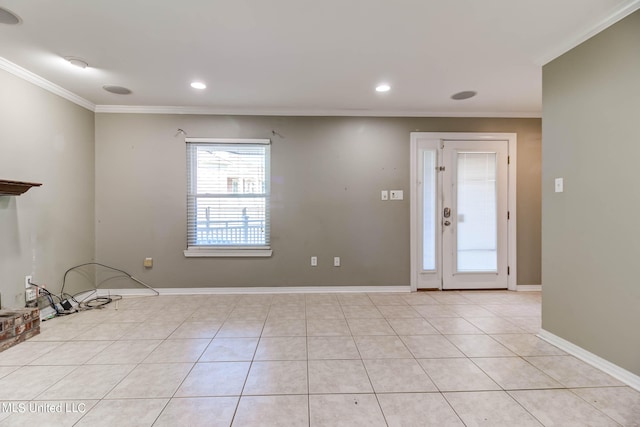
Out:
{"x": 477, "y": 212}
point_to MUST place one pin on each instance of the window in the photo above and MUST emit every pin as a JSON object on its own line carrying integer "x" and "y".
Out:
{"x": 227, "y": 197}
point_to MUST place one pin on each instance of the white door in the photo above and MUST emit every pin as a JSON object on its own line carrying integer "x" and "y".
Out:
{"x": 460, "y": 213}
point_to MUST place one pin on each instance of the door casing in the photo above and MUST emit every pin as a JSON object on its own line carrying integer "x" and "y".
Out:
{"x": 415, "y": 239}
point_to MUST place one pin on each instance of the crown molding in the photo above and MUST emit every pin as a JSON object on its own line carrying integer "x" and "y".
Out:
{"x": 143, "y": 109}
{"x": 621, "y": 12}
{"x": 45, "y": 84}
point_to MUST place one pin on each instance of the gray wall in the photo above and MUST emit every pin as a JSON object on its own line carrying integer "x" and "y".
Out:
{"x": 591, "y": 114}
{"x": 46, "y": 139}
{"x": 327, "y": 173}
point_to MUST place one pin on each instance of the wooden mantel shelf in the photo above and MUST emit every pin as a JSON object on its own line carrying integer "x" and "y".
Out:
{"x": 15, "y": 188}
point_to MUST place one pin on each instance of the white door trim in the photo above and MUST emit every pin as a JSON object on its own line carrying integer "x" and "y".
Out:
{"x": 511, "y": 138}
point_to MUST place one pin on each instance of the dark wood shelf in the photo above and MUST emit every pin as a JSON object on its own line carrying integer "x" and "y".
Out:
{"x": 15, "y": 188}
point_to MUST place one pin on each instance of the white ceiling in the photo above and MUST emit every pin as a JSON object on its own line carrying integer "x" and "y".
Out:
{"x": 304, "y": 57}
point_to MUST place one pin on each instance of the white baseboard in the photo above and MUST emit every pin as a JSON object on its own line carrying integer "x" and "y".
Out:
{"x": 529, "y": 288}
{"x": 254, "y": 290}
{"x": 621, "y": 374}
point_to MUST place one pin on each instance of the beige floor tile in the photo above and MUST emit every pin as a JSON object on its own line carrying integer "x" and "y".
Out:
{"x": 398, "y": 312}
{"x": 361, "y": 312}
{"x": 198, "y": 412}
{"x": 531, "y": 325}
{"x": 453, "y": 325}
{"x": 29, "y": 381}
{"x": 126, "y": 412}
{"x": 210, "y": 314}
{"x": 151, "y": 381}
{"x": 285, "y": 411}
{"x": 321, "y": 299}
{"x": 287, "y": 311}
{"x": 338, "y": 376}
{"x": 152, "y": 331}
{"x": 430, "y": 346}
{"x": 450, "y": 297}
{"x": 48, "y": 413}
{"x": 87, "y": 382}
{"x": 572, "y": 372}
{"x": 72, "y": 353}
{"x": 26, "y": 352}
{"x": 495, "y": 325}
{"x": 514, "y": 373}
{"x": 479, "y": 346}
{"x": 196, "y": 330}
{"x": 230, "y": 350}
{"x": 124, "y": 352}
{"x": 354, "y": 299}
{"x": 490, "y": 408}
{"x": 412, "y": 327}
{"x": 389, "y": 299}
{"x": 327, "y": 328}
{"x": 214, "y": 379}
{"x": 277, "y": 377}
{"x": 431, "y": 311}
{"x": 288, "y": 299}
{"x": 527, "y": 345}
{"x": 382, "y": 347}
{"x": 508, "y": 310}
{"x": 561, "y": 408}
{"x": 176, "y": 351}
{"x": 282, "y": 348}
{"x": 60, "y": 332}
{"x": 419, "y": 298}
{"x": 418, "y": 410}
{"x": 285, "y": 328}
{"x": 345, "y": 410}
{"x": 370, "y": 327}
{"x": 247, "y": 313}
{"x": 398, "y": 375}
{"x": 622, "y": 404}
{"x": 470, "y": 310}
{"x": 241, "y": 329}
{"x": 324, "y": 311}
{"x": 457, "y": 374}
{"x": 6, "y": 370}
{"x": 332, "y": 348}
{"x": 106, "y": 332}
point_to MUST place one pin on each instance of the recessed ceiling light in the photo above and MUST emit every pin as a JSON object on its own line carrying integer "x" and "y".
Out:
{"x": 118, "y": 90}
{"x": 9, "y": 18}
{"x": 383, "y": 88}
{"x": 466, "y": 94}
{"x": 198, "y": 85}
{"x": 77, "y": 62}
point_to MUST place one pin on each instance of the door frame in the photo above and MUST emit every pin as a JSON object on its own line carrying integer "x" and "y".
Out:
{"x": 415, "y": 239}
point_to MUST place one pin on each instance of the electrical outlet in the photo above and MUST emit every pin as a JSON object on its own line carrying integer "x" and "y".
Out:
{"x": 314, "y": 261}
{"x": 27, "y": 281}
{"x": 336, "y": 261}
{"x": 30, "y": 295}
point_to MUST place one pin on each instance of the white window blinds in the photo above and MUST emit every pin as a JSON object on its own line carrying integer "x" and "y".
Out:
{"x": 228, "y": 193}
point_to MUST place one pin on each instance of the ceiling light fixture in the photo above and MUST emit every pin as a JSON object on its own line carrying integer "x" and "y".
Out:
{"x": 118, "y": 90}
{"x": 77, "y": 62}
{"x": 198, "y": 85}
{"x": 465, "y": 94}
{"x": 383, "y": 88}
{"x": 9, "y": 18}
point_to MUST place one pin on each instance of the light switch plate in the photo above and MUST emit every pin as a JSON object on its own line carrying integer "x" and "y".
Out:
{"x": 384, "y": 195}
{"x": 397, "y": 195}
{"x": 559, "y": 185}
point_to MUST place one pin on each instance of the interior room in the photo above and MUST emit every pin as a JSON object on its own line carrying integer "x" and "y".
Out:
{"x": 248, "y": 214}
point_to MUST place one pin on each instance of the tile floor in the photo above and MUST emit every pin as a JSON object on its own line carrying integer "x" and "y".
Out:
{"x": 422, "y": 359}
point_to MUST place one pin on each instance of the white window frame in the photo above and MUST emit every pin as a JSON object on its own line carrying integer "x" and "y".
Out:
{"x": 232, "y": 251}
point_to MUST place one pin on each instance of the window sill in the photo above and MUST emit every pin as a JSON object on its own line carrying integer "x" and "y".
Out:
{"x": 229, "y": 253}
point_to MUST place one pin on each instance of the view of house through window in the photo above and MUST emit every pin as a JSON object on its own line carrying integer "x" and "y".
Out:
{"x": 228, "y": 193}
